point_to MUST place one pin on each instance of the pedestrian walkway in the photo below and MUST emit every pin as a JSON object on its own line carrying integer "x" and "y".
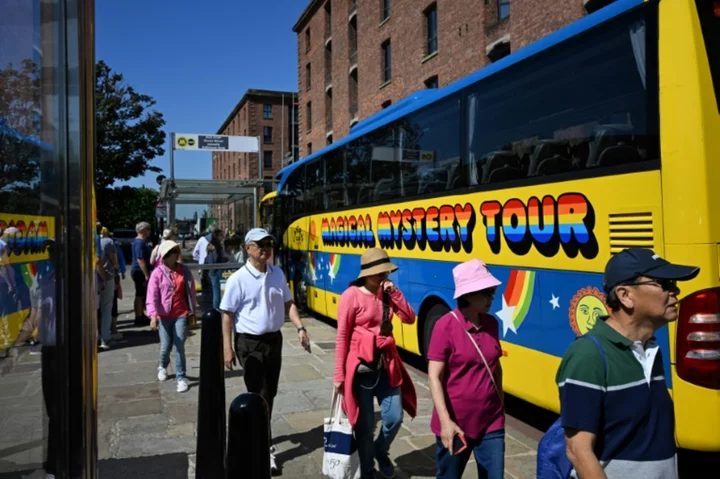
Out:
{"x": 140, "y": 417}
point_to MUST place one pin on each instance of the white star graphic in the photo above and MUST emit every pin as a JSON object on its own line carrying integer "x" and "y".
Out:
{"x": 506, "y": 316}
{"x": 555, "y": 301}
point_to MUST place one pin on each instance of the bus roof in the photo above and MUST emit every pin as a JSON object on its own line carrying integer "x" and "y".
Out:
{"x": 422, "y": 98}
{"x": 268, "y": 196}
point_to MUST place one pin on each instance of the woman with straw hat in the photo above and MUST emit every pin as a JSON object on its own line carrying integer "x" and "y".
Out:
{"x": 367, "y": 364}
{"x": 170, "y": 301}
{"x": 466, "y": 379}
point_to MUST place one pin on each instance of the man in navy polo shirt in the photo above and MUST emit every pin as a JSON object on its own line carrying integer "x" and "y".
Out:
{"x": 617, "y": 413}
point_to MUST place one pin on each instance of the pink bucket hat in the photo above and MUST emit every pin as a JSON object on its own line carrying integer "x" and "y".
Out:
{"x": 472, "y": 276}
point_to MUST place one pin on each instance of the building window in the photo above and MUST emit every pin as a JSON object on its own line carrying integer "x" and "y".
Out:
{"x": 384, "y": 10}
{"x": 352, "y": 41}
{"x": 431, "y": 29}
{"x": 503, "y": 9}
{"x": 309, "y": 148}
{"x": 267, "y": 112}
{"x": 432, "y": 82}
{"x": 328, "y": 19}
{"x": 267, "y": 134}
{"x": 328, "y": 110}
{"x": 308, "y": 76}
{"x": 307, "y": 40}
{"x": 267, "y": 159}
{"x": 387, "y": 61}
{"x": 353, "y": 94}
{"x": 386, "y": 104}
{"x": 309, "y": 115}
{"x": 329, "y": 139}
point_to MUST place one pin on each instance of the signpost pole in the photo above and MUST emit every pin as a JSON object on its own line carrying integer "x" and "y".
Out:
{"x": 256, "y": 199}
{"x": 171, "y": 202}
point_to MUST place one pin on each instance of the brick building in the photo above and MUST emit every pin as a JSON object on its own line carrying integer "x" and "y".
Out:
{"x": 271, "y": 115}
{"x": 356, "y": 57}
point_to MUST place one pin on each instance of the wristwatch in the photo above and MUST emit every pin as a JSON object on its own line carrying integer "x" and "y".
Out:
{"x": 302, "y": 328}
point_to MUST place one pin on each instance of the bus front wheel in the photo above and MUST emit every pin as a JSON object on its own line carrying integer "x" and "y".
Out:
{"x": 432, "y": 317}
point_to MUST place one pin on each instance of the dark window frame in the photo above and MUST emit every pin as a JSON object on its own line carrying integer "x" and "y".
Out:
{"x": 386, "y": 67}
{"x": 503, "y": 9}
{"x": 384, "y": 10}
{"x": 267, "y": 155}
{"x": 267, "y": 134}
{"x": 431, "y": 29}
{"x": 267, "y": 111}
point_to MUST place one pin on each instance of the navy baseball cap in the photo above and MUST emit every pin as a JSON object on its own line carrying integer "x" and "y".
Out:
{"x": 633, "y": 262}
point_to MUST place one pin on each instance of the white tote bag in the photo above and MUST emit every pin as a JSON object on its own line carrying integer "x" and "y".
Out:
{"x": 341, "y": 460}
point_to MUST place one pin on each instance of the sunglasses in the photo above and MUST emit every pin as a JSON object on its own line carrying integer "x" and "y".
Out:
{"x": 665, "y": 284}
{"x": 489, "y": 291}
{"x": 264, "y": 244}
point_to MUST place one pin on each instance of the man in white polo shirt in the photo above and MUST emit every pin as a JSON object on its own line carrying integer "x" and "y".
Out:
{"x": 254, "y": 306}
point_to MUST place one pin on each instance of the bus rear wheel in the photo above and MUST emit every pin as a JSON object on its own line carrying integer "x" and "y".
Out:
{"x": 432, "y": 317}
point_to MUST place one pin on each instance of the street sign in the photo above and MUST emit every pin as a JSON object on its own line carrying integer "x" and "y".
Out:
{"x": 161, "y": 210}
{"x": 194, "y": 141}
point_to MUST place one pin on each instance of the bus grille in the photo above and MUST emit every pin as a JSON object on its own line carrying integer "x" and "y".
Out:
{"x": 630, "y": 230}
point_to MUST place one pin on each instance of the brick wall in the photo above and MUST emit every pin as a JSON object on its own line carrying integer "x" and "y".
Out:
{"x": 465, "y": 28}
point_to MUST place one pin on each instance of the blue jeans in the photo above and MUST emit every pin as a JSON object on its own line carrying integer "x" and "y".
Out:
{"x": 489, "y": 455}
{"x": 215, "y": 282}
{"x": 173, "y": 331}
{"x": 106, "y": 303}
{"x": 366, "y": 387}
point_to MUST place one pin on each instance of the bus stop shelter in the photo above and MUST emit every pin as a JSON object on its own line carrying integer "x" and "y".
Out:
{"x": 210, "y": 192}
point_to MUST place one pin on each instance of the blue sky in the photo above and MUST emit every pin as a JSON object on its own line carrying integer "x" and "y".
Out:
{"x": 197, "y": 59}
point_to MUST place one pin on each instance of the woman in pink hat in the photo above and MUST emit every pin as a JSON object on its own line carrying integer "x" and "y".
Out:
{"x": 466, "y": 379}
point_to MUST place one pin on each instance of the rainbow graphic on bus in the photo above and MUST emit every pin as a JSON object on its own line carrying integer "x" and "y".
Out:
{"x": 333, "y": 266}
{"x": 516, "y": 299}
{"x": 312, "y": 275}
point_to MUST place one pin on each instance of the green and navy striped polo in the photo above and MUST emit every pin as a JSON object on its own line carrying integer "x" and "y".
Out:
{"x": 630, "y": 413}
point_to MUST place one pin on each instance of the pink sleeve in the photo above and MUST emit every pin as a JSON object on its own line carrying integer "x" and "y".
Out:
{"x": 401, "y": 307}
{"x": 346, "y": 323}
{"x": 440, "y": 347}
{"x": 153, "y": 294}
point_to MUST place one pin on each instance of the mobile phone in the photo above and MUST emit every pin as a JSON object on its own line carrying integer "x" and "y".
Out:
{"x": 459, "y": 444}
{"x": 306, "y": 345}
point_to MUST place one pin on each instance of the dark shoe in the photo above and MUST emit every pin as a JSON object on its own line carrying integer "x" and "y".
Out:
{"x": 387, "y": 469}
{"x": 142, "y": 321}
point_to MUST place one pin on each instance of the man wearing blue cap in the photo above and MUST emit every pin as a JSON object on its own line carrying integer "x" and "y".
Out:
{"x": 254, "y": 306}
{"x": 616, "y": 411}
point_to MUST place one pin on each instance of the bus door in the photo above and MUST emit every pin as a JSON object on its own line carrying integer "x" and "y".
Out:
{"x": 316, "y": 269}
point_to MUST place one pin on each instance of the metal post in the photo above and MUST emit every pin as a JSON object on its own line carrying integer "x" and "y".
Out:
{"x": 210, "y": 449}
{"x": 171, "y": 202}
{"x": 282, "y": 131}
{"x": 248, "y": 438}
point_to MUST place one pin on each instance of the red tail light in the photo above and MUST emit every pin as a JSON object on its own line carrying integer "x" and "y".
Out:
{"x": 698, "y": 339}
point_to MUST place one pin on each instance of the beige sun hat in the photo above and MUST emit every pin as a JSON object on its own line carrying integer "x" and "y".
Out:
{"x": 166, "y": 247}
{"x": 375, "y": 261}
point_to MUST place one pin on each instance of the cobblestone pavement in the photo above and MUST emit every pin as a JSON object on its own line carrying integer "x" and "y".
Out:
{"x": 138, "y": 416}
{"x": 147, "y": 429}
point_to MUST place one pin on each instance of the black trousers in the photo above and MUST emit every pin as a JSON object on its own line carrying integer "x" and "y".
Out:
{"x": 261, "y": 360}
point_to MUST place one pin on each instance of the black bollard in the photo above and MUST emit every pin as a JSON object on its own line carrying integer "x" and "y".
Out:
{"x": 248, "y": 438}
{"x": 210, "y": 450}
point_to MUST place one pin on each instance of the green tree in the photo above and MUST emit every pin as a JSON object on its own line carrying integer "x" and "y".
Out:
{"x": 125, "y": 206}
{"x": 20, "y": 150}
{"x": 128, "y": 131}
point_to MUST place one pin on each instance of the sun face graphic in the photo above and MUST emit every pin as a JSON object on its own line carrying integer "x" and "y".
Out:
{"x": 586, "y": 307}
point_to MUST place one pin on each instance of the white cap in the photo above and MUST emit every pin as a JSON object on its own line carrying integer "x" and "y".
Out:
{"x": 257, "y": 234}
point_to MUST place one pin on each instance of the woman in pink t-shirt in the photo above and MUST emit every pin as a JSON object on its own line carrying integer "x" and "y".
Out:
{"x": 367, "y": 364}
{"x": 466, "y": 379}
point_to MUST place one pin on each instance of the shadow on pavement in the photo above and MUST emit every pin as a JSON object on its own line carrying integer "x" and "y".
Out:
{"x": 417, "y": 463}
{"x": 307, "y": 442}
{"x": 166, "y": 466}
{"x": 133, "y": 339}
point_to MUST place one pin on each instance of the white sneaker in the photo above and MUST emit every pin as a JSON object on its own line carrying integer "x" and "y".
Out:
{"x": 182, "y": 386}
{"x": 162, "y": 374}
{"x": 104, "y": 346}
{"x": 273, "y": 462}
{"x": 49, "y": 476}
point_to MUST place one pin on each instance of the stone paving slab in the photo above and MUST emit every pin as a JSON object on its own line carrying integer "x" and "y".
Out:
{"x": 142, "y": 422}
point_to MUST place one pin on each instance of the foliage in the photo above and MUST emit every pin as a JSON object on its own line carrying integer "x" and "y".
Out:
{"x": 20, "y": 125}
{"x": 125, "y": 206}
{"x": 128, "y": 132}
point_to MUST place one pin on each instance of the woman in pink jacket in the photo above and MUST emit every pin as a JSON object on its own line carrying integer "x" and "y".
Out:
{"x": 170, "y": 301}
{"x": 367, "y": 364}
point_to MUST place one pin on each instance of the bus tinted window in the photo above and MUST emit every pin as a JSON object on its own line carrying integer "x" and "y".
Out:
{"x": 585, "y": 104}
{"x": 314, "y": 184}
{"x": 295, "y": 188}
{"x": 429, "y": 142}
{"x": 372, "y": 173}
{"x": 335, "y": 179}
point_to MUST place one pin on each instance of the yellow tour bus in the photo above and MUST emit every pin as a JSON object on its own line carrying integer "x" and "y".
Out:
{"x": 601, "y": 136}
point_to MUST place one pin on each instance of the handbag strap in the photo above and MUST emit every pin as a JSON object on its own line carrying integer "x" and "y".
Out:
{"x": 482, "y": 356}
{"x": 386, "y": 306}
